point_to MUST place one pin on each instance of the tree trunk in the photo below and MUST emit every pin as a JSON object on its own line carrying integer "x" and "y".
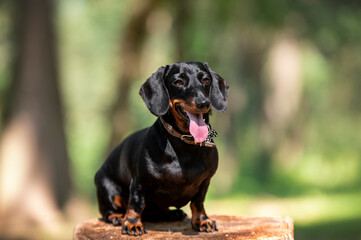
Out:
{"x": 34, "y": 165}
{"x": 230, "y": 227}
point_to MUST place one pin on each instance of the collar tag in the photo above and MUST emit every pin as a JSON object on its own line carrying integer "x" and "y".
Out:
{"x": 211, "y": 134}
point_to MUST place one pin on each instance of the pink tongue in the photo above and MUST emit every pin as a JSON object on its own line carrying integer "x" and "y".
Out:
{"x": 197, "y": 127}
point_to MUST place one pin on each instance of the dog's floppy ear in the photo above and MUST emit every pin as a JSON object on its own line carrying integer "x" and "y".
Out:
{"x": 219, "y": 91}
{"x": 154, "y": 93}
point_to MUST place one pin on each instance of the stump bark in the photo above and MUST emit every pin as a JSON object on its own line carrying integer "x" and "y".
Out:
{"x": 230, "y": 227}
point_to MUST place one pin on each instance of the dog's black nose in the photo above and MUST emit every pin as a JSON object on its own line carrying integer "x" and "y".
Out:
{"x": 203, "y": 105}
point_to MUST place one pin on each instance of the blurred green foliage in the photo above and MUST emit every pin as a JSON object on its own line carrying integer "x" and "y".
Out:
{"x": 316, "y": 150}
{"x": 88, "y": 35}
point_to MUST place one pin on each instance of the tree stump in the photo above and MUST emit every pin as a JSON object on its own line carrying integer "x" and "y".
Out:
{"x": 230, "y": 227}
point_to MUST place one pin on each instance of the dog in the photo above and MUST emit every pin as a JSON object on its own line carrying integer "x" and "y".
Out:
{"x": 170, "y": 163}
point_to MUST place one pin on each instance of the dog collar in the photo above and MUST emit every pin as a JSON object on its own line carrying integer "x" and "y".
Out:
{"x": 189, "y": 138}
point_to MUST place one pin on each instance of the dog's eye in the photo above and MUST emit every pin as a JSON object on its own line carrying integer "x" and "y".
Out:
{"x": 178, "y": 82}
{"x": 206, "y": 81}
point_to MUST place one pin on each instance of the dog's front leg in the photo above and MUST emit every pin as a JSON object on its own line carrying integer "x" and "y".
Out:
{"x": 200, "y": 220}
{"x": 132, "y": 224}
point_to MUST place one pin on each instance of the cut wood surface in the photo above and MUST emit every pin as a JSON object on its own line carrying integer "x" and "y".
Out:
{"x": 230, "y": 227}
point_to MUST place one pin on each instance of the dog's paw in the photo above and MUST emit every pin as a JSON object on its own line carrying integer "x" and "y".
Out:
{"x": 115, "y": 218}
{"x": 133, "y": 226}
{"x": 204, "y": 225}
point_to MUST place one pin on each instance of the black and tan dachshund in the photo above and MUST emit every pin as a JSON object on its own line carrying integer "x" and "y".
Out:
{"x": 170, "y": 163}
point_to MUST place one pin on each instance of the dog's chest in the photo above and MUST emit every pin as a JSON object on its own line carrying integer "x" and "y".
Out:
{"x": 181, "y": 173}
{"x": 175, "y": 184}
{"x": 180, "y": 170}
{"x": 174, "y": 177}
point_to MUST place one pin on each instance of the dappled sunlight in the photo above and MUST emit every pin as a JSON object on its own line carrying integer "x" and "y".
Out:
{"x": 342, "y": 171}
{"x": 17, "y": 145}
{"x": 20, "y": 186}
{"x": 283, "y": 81}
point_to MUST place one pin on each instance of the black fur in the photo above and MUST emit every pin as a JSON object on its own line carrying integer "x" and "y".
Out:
{"x": 151, "y": 170}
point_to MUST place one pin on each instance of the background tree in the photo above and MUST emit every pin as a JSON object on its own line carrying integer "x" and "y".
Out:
{"x": 34, "y": 165}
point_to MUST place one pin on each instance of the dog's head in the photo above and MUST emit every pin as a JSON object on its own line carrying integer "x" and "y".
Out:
{"x": 187, "y": 90}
